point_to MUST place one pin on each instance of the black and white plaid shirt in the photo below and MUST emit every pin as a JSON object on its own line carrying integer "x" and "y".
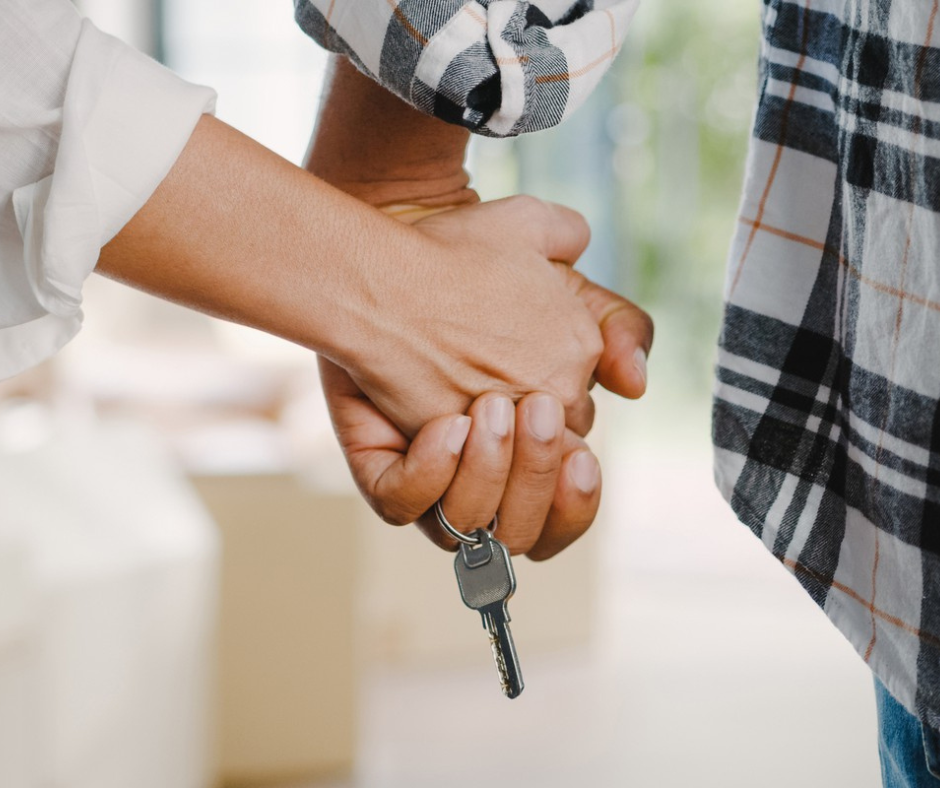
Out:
{"x": 498, "y": 67}
{"x": 827, "y": 409}
{"x": 827, "y": 406}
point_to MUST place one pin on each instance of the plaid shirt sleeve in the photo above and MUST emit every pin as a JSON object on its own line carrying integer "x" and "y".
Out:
{"x": 827, "y": 407}
{"x": 499, "y": 67}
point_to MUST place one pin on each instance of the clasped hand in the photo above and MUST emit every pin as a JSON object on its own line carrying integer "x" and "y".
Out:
{"x": 432, "y": 330}
{"x": 487, "y": 319}
{"x": 482, "y": 341}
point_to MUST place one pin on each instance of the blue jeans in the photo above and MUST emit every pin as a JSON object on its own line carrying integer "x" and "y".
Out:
{"x": 909, "y": 751}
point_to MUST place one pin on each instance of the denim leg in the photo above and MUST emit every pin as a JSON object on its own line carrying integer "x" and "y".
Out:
{"x": 909, "y": 751}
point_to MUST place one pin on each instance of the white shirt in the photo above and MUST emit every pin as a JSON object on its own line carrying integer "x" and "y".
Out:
{"x": 89, "y": 127}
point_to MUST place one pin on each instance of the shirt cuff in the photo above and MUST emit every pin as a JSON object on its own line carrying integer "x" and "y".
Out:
{"x": 500, "y": 68}
{"x": 125, "y": 120}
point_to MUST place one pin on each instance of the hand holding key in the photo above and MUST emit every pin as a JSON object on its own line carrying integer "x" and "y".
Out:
{"x": 547, "y": 491}
{"x": 540, "y": 478}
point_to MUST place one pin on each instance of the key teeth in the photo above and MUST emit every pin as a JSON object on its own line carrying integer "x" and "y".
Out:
{"x": 501, "y": 668}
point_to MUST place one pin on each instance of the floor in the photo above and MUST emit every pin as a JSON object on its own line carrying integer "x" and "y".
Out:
{"x": 709, "y": 667}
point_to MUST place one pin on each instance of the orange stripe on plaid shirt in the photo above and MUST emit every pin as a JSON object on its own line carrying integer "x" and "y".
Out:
{"x": 608, "y": 55}
{"x": 544, "y": 78}
{"x": 468, "y": 10}
{"x": 853, "y": 271}
{"x": 778, "y": 155}
{"x": 919, "y": 633}
{"x": 406, "y": 23}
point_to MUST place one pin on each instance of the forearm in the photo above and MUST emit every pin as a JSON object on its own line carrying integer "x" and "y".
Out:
{"x": 237, "y": 232}
{"x": 376, "y": 147}
{"x": 424, "y": 318}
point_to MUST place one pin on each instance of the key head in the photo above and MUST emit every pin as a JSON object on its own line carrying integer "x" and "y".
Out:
{"x": 484, "y": 572}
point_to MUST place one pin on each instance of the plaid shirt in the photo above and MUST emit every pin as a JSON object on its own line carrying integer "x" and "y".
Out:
{"x": 498, "y": 67}
{"x": 827, "y": 408}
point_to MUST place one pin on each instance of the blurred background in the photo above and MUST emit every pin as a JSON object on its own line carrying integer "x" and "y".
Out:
{"x": 192, "y": 594}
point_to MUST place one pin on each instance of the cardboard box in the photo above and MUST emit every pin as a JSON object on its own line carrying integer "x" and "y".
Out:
{"x": 287, "y": 646}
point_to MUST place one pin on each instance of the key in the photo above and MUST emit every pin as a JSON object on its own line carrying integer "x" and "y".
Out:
{"x": 486, "y": 581}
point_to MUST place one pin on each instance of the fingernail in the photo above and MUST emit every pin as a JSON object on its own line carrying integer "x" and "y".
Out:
{"x": 639, "y": 361}
{"x": 543, "y": 418}
{"x": 498, "y": 412}
{"x": 457, "y": 433}
{"x": 585, "y": 472}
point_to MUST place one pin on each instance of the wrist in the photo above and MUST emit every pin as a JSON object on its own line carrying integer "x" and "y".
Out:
{"x": 239, "y": 233}
{"x": 374, "y": 146}
{"x": 391, "y": 193}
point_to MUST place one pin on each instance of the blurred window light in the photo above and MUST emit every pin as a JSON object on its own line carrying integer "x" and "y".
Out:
{"x": 204, "y": 380}
{"x": 267, "y": 72}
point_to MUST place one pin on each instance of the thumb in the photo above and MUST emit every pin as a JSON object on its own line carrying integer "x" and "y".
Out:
{"x": 400, "y": 480}
{"x": 627, "y": 332}
{"x": 401, "y": 487}
{"x": 559, "y": 233}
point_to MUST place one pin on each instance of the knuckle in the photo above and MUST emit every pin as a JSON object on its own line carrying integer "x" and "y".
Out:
{"x": 527, "y": 203}
{"x": 535, "y": 212}
{"x": 594, "y": 344}
{"x": 571, "y": 394}
{"x": 391, "y": 512}
{"x": 467, "y": 518}
{"x": 478, "y": 519}
{"x": 488, "y": 480}
{"x": 539, "y": 474}
{"x": 585, "y": 345}
{"x": 575, "y": 281}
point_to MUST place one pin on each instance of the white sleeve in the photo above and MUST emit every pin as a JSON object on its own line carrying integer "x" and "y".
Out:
{"x": 88, "y": 128}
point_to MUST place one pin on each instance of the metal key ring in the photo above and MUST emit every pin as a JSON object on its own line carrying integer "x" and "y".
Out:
{"x": 460, "y": 537}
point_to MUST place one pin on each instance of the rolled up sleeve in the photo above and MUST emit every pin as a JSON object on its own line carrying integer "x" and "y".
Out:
{"x": 89, "y": 127}
{"x": 500, "y": 68}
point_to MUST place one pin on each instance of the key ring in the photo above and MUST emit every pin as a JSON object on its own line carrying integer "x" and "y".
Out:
{"x": 460, "y": 537}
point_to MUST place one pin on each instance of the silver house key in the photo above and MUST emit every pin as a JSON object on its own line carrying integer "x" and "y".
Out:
{"x": 486, "y": 582}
